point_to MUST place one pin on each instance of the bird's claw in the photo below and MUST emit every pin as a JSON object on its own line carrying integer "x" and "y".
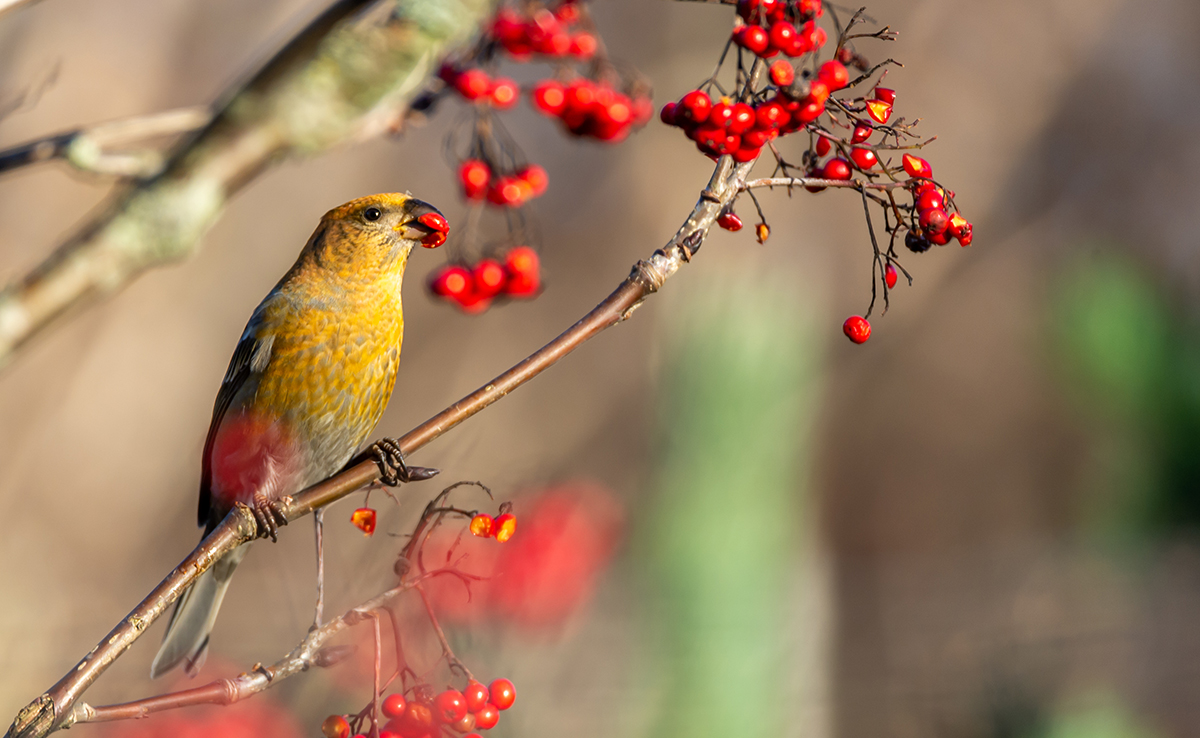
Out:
{"x": 268, "y": 514}
{"x": 392, "y": 468}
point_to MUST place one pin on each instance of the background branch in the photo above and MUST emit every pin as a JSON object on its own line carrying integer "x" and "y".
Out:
{"x": 346, "y": 76}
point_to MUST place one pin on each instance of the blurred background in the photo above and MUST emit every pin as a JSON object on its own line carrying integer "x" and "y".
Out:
{"x": 982, "y": 523}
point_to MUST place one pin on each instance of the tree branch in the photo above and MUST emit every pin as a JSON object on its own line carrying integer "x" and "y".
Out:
{"x": 347, "y": 76}
{"x": 49, "y": 711}
{"x": 86, "y": 148}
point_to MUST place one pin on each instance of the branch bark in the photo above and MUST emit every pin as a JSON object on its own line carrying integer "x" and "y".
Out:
{"x": 54, "y": 708}
{"x": 347, "y": 76}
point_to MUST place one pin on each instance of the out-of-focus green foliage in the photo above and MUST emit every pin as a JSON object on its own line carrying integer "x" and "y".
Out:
{"x": 738, "y": 403}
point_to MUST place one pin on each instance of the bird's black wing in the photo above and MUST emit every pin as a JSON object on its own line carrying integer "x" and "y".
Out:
{"x": 250, "y": 357}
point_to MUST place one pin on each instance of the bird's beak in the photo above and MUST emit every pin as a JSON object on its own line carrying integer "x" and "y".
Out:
{"x": 425, "y": 224}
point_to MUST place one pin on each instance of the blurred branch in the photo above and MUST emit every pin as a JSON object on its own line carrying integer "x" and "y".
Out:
{"x": 49, "y": 711}
{"x": 88, "y": 149}
{"x": 7, "y": 5}
{"x": 346, "y": 77}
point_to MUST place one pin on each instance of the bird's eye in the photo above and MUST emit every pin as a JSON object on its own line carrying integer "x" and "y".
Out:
{"x": 372, "y": 213}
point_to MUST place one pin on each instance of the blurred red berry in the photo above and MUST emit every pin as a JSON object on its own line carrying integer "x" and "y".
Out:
{"x": 451, "y": 281}
{"x": 473, "y": 84}
{"x": 477, "y": 695}
{"x": 822, "y": 146}
{"x": 782, "y": 36}
{"x": 523, "y": 267}
{"x": 583, "y": 45}
{"x": 486, "y": 717}
{"x": 394, "y": 704}
{"x": 762, "y": 232}
{"x": 857, "y": 329}
{"x": 449, "y": 706}
{"x": 667, "y": 115}
{"x": 782, "y": 72}
{"x": 335, "y": 726}
{"x": 506, "y": 191}
{"x": 536, "y": 177}
{"x": 504, "y": 93}
{"x": 752, "y": 38}
{"x": 474, "y": 176}
{"x": 549, "y": 96}
{"x": 488, "y": 277}
{"x": 890, "y": 276}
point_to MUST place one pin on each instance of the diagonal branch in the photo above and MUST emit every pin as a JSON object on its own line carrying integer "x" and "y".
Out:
{"x": 347, "y": 76}
{"x": 49, "y": 711}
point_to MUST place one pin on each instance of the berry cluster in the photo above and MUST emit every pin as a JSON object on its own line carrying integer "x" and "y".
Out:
{"x": 552, "y": 33}
{"x": 474, "y": 287}
{"x": 780, "y": 27}
{"x": 502, "y": 527}
{"x": 741, "y": 129}
{"x": 425, "y": 715}
{"x": 593, "y": 109}
{"x": 510, "y": 190}
{"x": 935, "y": 223}
{"x": 781, "y": 87}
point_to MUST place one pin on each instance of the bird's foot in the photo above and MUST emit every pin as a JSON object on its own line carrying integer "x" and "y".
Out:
{"x": 392, "y": 468}
{"x": 268, "y": 514}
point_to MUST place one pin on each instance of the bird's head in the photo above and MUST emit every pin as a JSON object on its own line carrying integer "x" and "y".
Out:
{"x": 377, "y": 231}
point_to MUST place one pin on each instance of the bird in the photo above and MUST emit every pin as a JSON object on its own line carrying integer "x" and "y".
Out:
{"x": 309, "y": 379}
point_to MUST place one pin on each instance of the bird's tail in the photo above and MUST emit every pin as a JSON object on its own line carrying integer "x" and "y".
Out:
{"x": 186, "y": 639}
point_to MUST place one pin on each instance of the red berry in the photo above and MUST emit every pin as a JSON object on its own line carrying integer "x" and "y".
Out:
{"x": 762, "y": 232}
{"x": 837, "y": 168}
{"x": 966, "y": 234}
{"x": 417, "y": 720}
{"x": 335, "y": 726}
{"x": 473, "y": 84}
{"x": 770, "y": 116}
{"x": 753, "y": 39}
{"x": 864, "y": 159}
{"x": 583, "y": 45}
{"x": 939, "y": 239}
{"x": 809, "y": 111}
{"x": 742, "y": 120}
{"x": 394, "y": 705}
{"x": 451, "y": 282}
{"x": 449, "y": 706}
{"x": 695, "y": 107}
{"x": 667, "y": 115}
{"x": 486, "y": 717}
{"x": 916, "y": 166}
{"x": 834, "y": 74}
{"x": 783, "y": 35}
{"x": 930, "y": 198}
{"x": 890, "y": 276}
{"x": 857, "y": 329}
{"x": 474, "y": 176}
{"x": 782, "y": 72}
{"x": 933, "y": 221}
{"x": 862, "y": 131}
{"x": 477, "y": 695}
{"x": 721, "y": 114}
{"x": 482, "y": 525}
{"x": 489, "y": 277}
{"x": 465, "y": 724}
{"x": 822, "y": 146}
{"x": 504, "y": 93}
{"x": 568, "y": 12}
{"x": 888, "y": 96}
{"x": 536, "y": 177}
{"x": 506, "y": 526}
{"x": 550, "y": 97}
{"x": 729, "y": 221}
{"x": 879, "y": 111}
{"x": 503, "y": 693}
{"x": 956, "y": 224}
{"x": 744, "y": 154}
{"x": 473, "y": 303}
{"x": 364, "y": 519}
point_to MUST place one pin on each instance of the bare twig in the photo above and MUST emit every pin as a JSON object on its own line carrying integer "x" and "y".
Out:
{"x": 345, "y": 77}
{"x": 90, "y": 149}
{"x": 853, "y": 184}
